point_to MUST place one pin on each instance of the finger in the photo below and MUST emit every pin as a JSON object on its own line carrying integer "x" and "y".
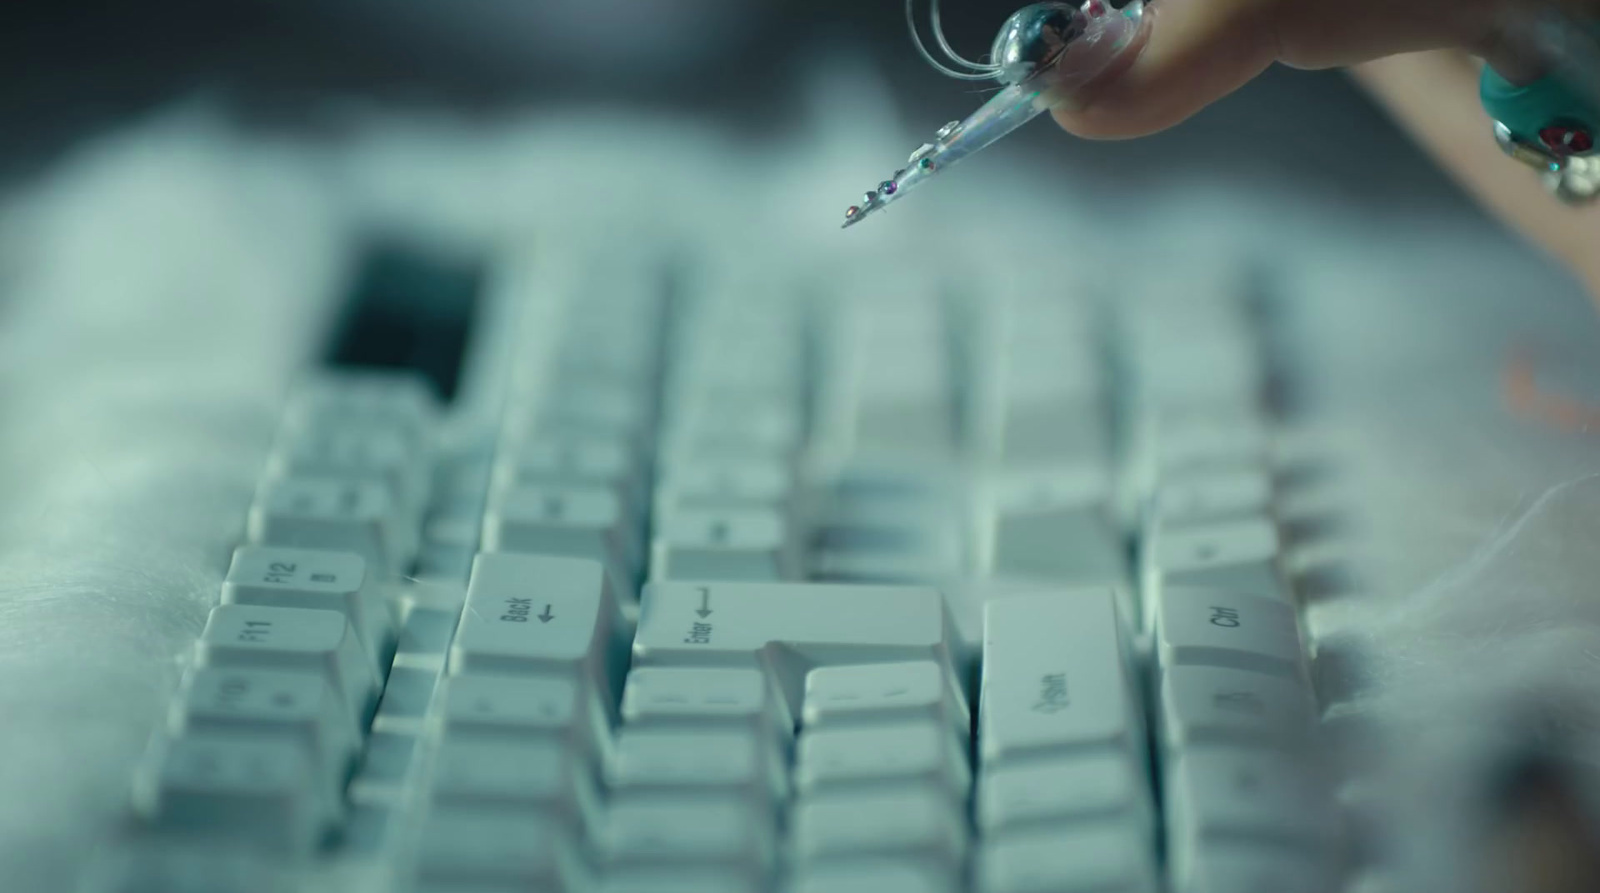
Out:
{"x": 1197, "y": 51}
{"x": 1434, "y": 97}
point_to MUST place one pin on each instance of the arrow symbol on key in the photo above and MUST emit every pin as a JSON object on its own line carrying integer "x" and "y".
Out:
{"x": 546, "y": 617}
{"x": 705, "y": 603}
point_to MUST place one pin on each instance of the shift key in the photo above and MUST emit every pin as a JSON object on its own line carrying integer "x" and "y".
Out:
{"x": 1055, "y": 676}
{"x": 535, "y": 615}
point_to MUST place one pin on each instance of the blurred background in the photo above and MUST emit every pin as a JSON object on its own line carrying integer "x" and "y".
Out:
{"x": 72, "y": 68}
{"x": 169, "y": 281}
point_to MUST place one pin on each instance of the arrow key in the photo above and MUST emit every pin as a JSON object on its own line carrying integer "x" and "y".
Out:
{"x": 703, "y": 832}
{"x": 875, "y": 694}
{"x": 920, "y": 753}
{"x": 704, "y": 698}
{"x": 672, "y": 761}
{"x": 1102, "y": 786}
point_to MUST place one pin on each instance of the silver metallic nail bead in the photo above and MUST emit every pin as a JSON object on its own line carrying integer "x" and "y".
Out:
{"x": 1034, "y": 38}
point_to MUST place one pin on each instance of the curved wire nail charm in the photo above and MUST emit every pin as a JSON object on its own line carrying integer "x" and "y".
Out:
{"x": 1041, "y": 53}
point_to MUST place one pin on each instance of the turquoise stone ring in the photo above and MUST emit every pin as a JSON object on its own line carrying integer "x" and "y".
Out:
{"x": 1548, "y": 126}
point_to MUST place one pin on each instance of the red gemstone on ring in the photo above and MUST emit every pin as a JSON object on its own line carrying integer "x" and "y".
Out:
{"x": 1563, "y": 140}
{"x": 1096, "y": 8}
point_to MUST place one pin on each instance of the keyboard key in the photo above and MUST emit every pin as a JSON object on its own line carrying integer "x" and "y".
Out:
{"x": 1095, "y": 786}
{"x": 1195, "y": 361}
{"x": 875, "y": 694}
{"x": 337, "y": 515}
{"x": 716, "y": 361}
{"x": 511, "y": 708}
{"x": 888, "y": 525}
{"x": 1208, "y": 705}
{"x": 446, "y": 563}
{"x": 735, "y": 762}
{"x": 386, "y": 768}
{"x": 874, "y": 876}
{"x": 351, "y": 452}
{"x": 399, "y": 401}
{"x": 590, "y": 406}
{"x": 1240, "y": 556}
{"x": 319, "y": 642}
{"x": 139, "y": 865}
{"x": 1055, "y": 677}
{"x": 367, "y": 830}
{"x": 701, "y": 698}
{"x": 731, "y": 624}
{"x": 724, "y": 544}
{"x": 721, "y": 417}
{"x": 306, "y": 578}
{"x": 607, "y": 352}
{"x": 902, "y": 754}
{"x": 262, "y": 791}
{"x": 522, "y": 777}
{"x": 1217, "y": 442}
{"x": 1070, "y": 426}
{"x": 678, "y": 880}
{"x": 536, "y": 615}
{"x": 1056, "y": 526}
{"x": 265, "y": 704}
{"x": 711, "y": 832}
{"x": 554, "y": 460}
{"x": 427, "y": 629}
{"x": 1213, "y": 628}
{"x": 1204, "y": 498}
{"x": 751, "y": 480}
{"x": 891, "y": 420}
{"x": 1238, "y": 868}
{"x": 530, "y": 852}
{"x": 1069, "y": 859}
{"x": 919, "y": 564}
{"x": 916, "y": 823}
{"x": 569, "y": 520}
{"x": 1240, "y": 794}
{"x": 406, "y": 697}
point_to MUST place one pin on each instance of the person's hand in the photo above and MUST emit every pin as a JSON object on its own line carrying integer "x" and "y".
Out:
{"x": 1413, "y": 56}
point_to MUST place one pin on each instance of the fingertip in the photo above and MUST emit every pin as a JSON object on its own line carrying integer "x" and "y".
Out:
{"x": 1193, "y": 53}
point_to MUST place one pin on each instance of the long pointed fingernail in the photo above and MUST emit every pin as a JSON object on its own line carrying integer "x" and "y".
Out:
{"x": 1068, "y": 47}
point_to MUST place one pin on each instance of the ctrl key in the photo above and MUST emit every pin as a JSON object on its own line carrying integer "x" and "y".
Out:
{"x": 256, "y": 791}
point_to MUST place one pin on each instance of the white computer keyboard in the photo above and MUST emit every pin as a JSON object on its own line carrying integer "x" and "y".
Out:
{"x": 743, "y": 585}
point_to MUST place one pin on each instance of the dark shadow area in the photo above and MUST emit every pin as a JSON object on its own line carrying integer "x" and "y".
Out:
{"x": 1307, "y": 529}
{"x": 1340, "y": 671}
{"x": 1323, "y": 582}
{"x": 1304, "y": 474}
{"x": 76, "y": 67}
